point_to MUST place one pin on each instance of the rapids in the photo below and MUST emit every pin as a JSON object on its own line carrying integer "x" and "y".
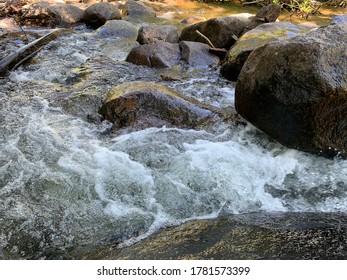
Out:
{"x": 67, "y": 179}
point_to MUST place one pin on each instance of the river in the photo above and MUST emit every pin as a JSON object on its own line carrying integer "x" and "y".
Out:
{"x": 67, "y": 179}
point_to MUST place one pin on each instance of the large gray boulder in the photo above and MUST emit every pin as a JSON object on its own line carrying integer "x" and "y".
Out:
{"x": 51, "y": 14}
{"x": 97, "y": 14}
{"x": 257, "y": 37}
{"x": 197, "y": 54}
{"x": 154, "y": 33}
{"x": 296, "y": 90}
{"x": 159, "y": 55}
{"x": 220, "y": 31}
{"x": 142, "y": 104}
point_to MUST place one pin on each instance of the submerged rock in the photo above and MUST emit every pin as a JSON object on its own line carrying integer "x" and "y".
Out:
{"x": 51, "y": 15}
{"x": 141, "y": 105}
{"x": 154, "y": 34}
{"x": 296, "y": 91}
{"x": 220, "y": 31}
{"x": 257, "y": 37}
{"x": 97, "y": 14}
{"x": 159, "y": 55}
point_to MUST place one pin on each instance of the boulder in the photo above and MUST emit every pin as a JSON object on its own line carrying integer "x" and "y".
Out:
{"x": 51, "y": 14}
{"x": 143, "y": 104}
{"x": 269, "y": 13}
{"x": 197, "y": 54}
{"x": 137, "y": 10}
{"x": 193, "y": 19}
{"x": 259, "y": 36}
{"x": 220, "y": 31}
{"x": 159, "y": 55}
{"x": 97, "y": 14}
{"x": 296, "y": 91}
{"x": 339, "y": 19}
{"x": 153, "y": 34}
{"x": 117, "y": 29}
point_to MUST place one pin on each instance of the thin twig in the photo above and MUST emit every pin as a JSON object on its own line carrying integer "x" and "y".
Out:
{"x": 205, "y": 38}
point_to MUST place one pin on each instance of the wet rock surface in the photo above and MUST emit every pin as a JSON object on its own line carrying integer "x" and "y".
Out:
{"x": 296, "y": 91}
{"x": 269, "y": 236}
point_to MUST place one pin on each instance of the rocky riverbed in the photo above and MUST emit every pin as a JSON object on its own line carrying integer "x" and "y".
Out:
{"x": 103, "y": 158}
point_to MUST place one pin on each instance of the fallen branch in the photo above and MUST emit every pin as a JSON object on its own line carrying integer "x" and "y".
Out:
{"x": 25, "y": 59}
{"x": 27, "y": 52}
{"x": 205, "y": 38}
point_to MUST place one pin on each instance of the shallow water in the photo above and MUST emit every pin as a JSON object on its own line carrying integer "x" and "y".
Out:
{"x": 67, "y": 179}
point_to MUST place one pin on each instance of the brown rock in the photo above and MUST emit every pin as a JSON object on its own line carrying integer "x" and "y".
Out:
{"x": 141, "y": 105}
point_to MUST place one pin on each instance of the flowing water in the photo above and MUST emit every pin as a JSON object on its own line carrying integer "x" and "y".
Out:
{"x": 67, "y": 179}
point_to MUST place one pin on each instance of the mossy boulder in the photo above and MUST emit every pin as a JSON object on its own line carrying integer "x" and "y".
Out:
{"x": 296, "y": 91}
{"x": 257, "y": 37}
{"x": 144, "y": 104}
